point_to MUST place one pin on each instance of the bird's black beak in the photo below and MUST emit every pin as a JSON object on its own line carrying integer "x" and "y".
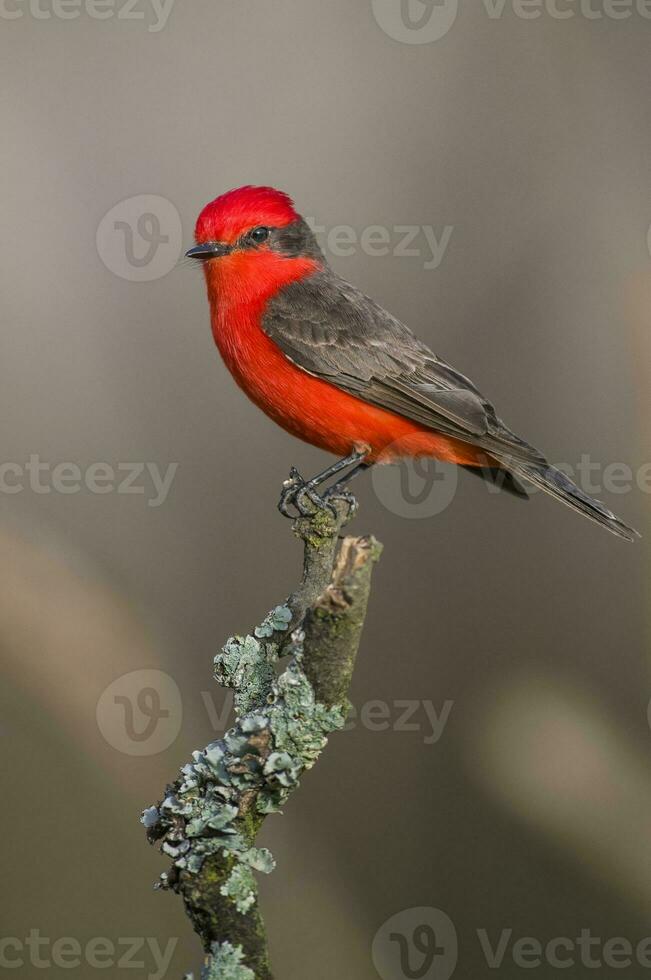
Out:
{"x": 209, "y": 250}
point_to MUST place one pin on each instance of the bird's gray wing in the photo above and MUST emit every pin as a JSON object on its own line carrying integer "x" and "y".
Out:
{"x": 333, "y": 331}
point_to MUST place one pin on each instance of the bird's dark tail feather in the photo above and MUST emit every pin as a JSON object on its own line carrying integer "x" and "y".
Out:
{"x": 556, "y": 483}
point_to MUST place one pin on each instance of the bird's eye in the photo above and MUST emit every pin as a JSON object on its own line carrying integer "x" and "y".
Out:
{"x": 259, "y": 235}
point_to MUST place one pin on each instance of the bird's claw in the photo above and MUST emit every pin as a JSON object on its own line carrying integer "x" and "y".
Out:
{"x": 301, "y": 495}
{"x": 337, "y": 495}
{"x": 299, "y": 498}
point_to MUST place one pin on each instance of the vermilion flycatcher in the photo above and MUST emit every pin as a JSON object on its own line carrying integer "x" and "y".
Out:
{"x": 335, "y": 369}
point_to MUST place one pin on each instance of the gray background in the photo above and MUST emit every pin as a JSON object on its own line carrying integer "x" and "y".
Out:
{"x": 531, "y": 138}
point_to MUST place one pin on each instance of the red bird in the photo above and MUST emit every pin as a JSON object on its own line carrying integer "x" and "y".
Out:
{"x": 335, "y": 369}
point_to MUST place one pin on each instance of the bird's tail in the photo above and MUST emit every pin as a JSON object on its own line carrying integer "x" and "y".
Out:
{"x": 556, "y": 483}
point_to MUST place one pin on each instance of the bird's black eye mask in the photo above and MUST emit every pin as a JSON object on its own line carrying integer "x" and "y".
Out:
{"x": 292, "y": 240}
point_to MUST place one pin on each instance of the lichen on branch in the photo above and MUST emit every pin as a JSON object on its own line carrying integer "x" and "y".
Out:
{"x": 285, "y": 709}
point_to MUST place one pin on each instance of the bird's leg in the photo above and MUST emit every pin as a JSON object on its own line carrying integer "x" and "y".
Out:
{"x": 339, "y": 490}
{"x": 341, "y": 464}
{"x": 297, "y": 491}
{"x": 345, "y": 480}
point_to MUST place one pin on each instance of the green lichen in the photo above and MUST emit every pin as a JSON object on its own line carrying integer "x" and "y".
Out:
{"x": 277, "y": 620}
{"x": 261, "y": 757}
{"x": 209, "y": 819}
{"x": 225, "y": 963}
{"x": 258, "y": 858}
{"x": 299, "y": 727}
{"x": 242, "y": 887}
{"x": 215, "y": 808}
{"x": 317, "y": 531}
{"x": 246, "y": 663}
{"x": 218, "y": 802}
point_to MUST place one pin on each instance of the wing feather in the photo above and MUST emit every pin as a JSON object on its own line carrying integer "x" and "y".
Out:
{"x": 330, "y": 329}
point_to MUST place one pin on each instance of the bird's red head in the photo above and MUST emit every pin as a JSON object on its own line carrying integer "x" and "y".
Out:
{"x": 240, "y": 210}
{"x": 253, "y": 242}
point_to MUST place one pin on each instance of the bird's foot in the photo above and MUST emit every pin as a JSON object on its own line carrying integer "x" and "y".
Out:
{"x": 300, "y": 498}
{"x": 338, "y": 496}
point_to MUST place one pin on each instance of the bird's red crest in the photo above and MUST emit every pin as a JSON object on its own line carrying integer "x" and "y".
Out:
{"x": 225, "y": 218}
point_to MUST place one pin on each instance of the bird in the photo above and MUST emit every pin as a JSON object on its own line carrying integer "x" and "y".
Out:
{"x": 335, "y": 369}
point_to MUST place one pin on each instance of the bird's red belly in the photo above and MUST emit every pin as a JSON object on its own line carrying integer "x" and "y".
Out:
{"x": 318, "y": 412}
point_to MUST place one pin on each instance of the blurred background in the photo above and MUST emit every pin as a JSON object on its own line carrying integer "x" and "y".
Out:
{"x": 489, "y": 165}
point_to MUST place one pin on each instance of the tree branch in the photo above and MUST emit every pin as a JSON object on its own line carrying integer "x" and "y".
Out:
{"x": 210, "y": 817}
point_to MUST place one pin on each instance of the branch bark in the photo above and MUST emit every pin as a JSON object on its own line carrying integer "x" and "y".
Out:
{"x": 210, "y": 817}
